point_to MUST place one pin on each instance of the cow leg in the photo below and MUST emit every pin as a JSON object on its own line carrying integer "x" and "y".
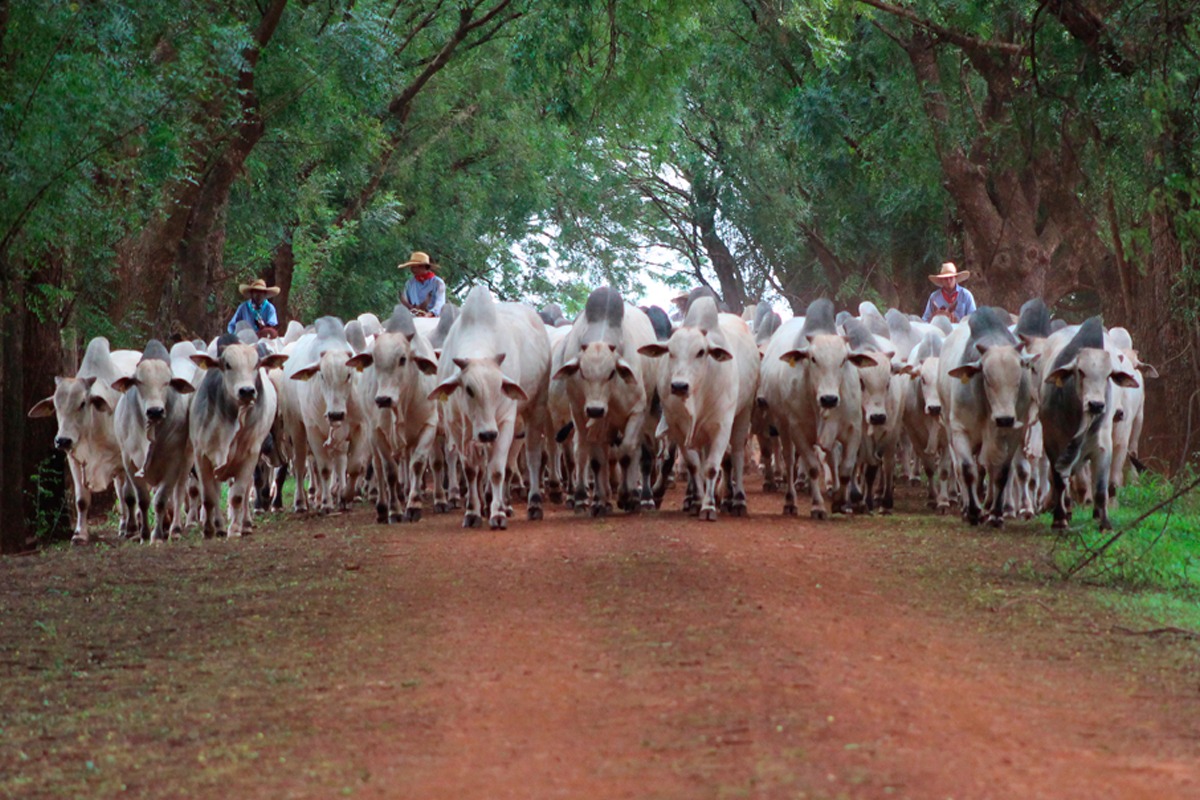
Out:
{"x": 583, "y": 460}
{"x": 280, "y": 478}
{"x": 441, "y": 500}
{"x": 535, "y": 448}
{"x": 739, "y": 436}
{"x": 664, "y": 474}
{"x": 383, "y": 469}
{"x": 262, "y": 486}
{"x": 420, "y": 457}
{"x": 300, "y": 467}
{"x": 1058, "y": 498}
{"x": 1101, "y": 467}
{"x": 471, "y": 516}
{"x": 162, "y": 494}
{"x": 239, "y": 502}
{"x": 790, "y": 457}
{"x": 497, "y": 473}
{"x": 142, "y": 497}
{"x": 889, "y": 480}
{"x": 601, "y": 504}
{"x": 872, "y": 472}
{"x": 214, "y": 516}
{"x": 646, "y": 465}
{"x": 83, "y": 502}
{"x": 1000, "y": 478}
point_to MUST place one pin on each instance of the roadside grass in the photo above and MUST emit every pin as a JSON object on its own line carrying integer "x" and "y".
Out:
{"x": 1152, "y": 567}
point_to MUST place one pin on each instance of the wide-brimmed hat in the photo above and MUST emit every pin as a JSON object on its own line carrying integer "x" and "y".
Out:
{"x": 258, "y": 285}
{"x": 419, "y": 259}
{"x": 949, "y": 271}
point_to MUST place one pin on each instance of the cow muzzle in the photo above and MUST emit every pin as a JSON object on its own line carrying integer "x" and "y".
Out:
{"x": 1095, "y": 407}
{"x": 64, "y": 443}
{"x": 383, "y": 401}
{"x": 487, "y": 437}
{"x": 933, "y": 411}
{"x": 335, "y": 416}
{"x": 247, "y": 394}
{"x": 877, "y": 419}
{"x": 680, "y": 388}
{"x": 595, "y": 412}
{"x": 828, "y": 401}
{"x": 1006, "y": 422}
{"x": 156, "y": 414}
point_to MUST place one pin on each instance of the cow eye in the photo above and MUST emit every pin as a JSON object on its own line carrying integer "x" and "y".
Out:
{"x": 470, "y": 392}
{"x": 83, "y": 404}
{"x": 700, "y": 353}
{"x": 612, "y": 375}
{"x": 403, "y": 361}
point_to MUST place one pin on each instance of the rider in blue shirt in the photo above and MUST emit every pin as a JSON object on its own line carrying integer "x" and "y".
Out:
{"x": 951, "y": 299}
{"x": 257, "y": 309}
{"x": 425, "y": 293}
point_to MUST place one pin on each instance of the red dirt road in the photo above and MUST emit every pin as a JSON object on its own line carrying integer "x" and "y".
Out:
{"x": 659, "y": 657}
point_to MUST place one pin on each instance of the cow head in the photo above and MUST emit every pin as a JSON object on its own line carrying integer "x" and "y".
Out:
{"x": 691, "y": 355}
{"x": 155, "y": 385}
{"x": 73, "y": 403}
{"x": 1005, "y": 374}
{"x": 927, "y": 385}
{"x": 483, "y": 392}
{"x": 1091, "y": 369}
{"x": 875, "y": 375}
{"x": 825, "y": 356}
{"x": 335, "y": 371}
{"x": 239, "y": 365}
{"x": 397, "y": 365}
{"x": 596, "y": 369}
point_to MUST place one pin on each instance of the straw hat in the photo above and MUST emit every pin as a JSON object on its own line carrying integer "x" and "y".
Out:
{"x": 258, "y": 285}
{"x": 949, "y": 271}
{"x": 419, "y": 259}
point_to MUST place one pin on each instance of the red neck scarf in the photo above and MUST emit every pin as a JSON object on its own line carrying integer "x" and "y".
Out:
{"x": 424, "y": 278}
{"x": 951, "y": 298}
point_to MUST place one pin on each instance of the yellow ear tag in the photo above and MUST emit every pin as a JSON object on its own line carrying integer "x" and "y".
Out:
{"x": 965, "y": 379}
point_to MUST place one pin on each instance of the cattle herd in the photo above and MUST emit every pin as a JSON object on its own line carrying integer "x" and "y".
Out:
{"x": 1004, "y": 414}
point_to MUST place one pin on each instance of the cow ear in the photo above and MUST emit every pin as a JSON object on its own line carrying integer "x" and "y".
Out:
{"x": 1029, "y": 359}
{"x": 182, "y": 386}
{"x": 500, "y": 358}
{"x": 626, "y": 372}
{"x": 1059, "y": 376}
{"x": 461, "y": 363}
{"x": 1124, "y": 380}
{"x": 427, "y": 365}
{"x": 273, "y": 361}
{"x": 981, "y": 347}
{"x": 360, "y": 361}
{"x": 513, "y": 391}
{"x": 720, "y": 353}
{"x": 794, "y": 357}
{"x": 124, "y": 384}
{"x": 612, "y": 348}
{"x": 306, "y": 373}
{"x": 445, "y": 388}
{"x": 901, "y": 369}
{"x": 89, "y": 382}
{"x": 410, "y": 335}
{"x": 1148, "y": 370}
{"x": 653, "y": 350}
{"x": 966, "y": 371}
{"x": 99, "y": 403}
{"x": 863, "y": 360}
{"x": 204, "y": 361}
{"x": 42, "y": 408}
{"x": 568, "y": 369}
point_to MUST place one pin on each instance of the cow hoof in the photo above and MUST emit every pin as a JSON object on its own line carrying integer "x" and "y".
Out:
{"x": 1026, "y": 514}
{"x": 556, "y": 496}
{"x": 412, "y": 515}
{"x": 601, "y": 509}
{"x": 943, "y": 509}
{"x": 738, "y": 510}
{"x": 535, "y": 513}
{"x": 649, "y": 505}
{"x": 80, "y": 541}
{"x": 790, "y": 510}
{"x": 770, "y": 486}
{"x": 727, "y": 506}
{"x": 708, "y": 514}
{"x": 498, "y": 522}
{"x": 508, "y": 511}
{"x": 1059, "y": 525}
{"x": 996, "y": 521}
{"x": 569, "y": 503}
{"x": 472, "y": 521}
{"x": 441, "y": 508}
{"x": 914, "y": 482}
{"x": 818, "y": 513}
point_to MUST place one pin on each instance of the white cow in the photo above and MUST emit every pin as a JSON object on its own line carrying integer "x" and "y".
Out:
{"x": 610, "y": 387}
{"x": 335, "y": 425}
{"x": 151, "y": 423}
{"x": 494, "y": 371}
{"x": 231, "y": 415}
{"x": 811, "y": 385}
{"x": 403, "y": 420}
{"x": 708, "y": 389}
{"x": 1129, "y": 406}
{"x": 882, "y": 400}
{"x": 84, "y": 407}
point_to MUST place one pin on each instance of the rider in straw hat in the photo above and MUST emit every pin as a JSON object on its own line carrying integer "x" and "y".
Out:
{"x": 425, "y": 293}
{"x": 257, "y": 309}
{"x": 950, "y": 299}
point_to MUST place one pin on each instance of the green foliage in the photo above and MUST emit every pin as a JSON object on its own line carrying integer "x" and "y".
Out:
{"x": 1160, "y": 552}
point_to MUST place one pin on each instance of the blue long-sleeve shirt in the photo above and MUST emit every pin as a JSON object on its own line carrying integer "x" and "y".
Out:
{"x": 937, "y": 302}
{"x": 259, "y": 316}
{"x": 429, "y": 295}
